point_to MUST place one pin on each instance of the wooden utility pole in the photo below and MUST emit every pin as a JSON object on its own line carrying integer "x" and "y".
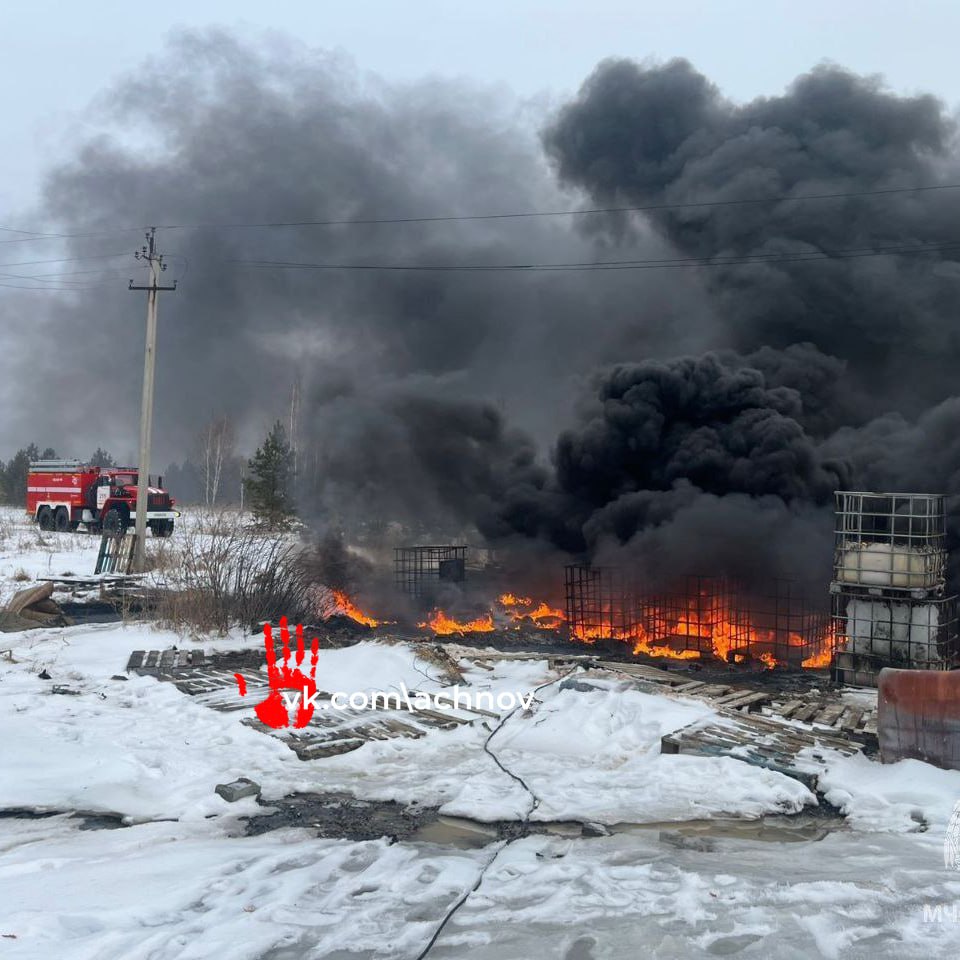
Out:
{"x": 155, "y": 262}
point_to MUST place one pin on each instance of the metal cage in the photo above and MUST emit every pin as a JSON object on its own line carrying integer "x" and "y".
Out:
{"x": 691, "y": 615}
{"x": 876, "y": 632}
{"x": 890, "y": 542}
{"x": 419, "y": 570}
{"x": 599, "y": 603}
{"x": 784, "y": 621}
{"x": 781, "y": 621}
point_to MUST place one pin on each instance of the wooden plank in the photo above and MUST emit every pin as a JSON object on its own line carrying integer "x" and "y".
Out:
{"x": 806, "y": 712}
{"x": 713, "y": 690}
{"x": 642, "y": 671}
{"x": 789, "y": 708}
{"x": 750, "y": 700}
{"x": 830, "y": 714}
{"x": 437, "y": 698}
{"x": 100, "y": 555}
{"x": 320, "y": 749}
{"x": 689, "y": 687}
{"x": 404, "y": 729}
{"x": 441, "y": 718}
{"x": 731, "y": 697}
{"x": 850, "y": 718}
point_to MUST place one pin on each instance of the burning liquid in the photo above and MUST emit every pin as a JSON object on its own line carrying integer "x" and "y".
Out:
{"x": 348, "y": 608}
{"x": 444, "y": 626}
{"x": 524, "y": 608}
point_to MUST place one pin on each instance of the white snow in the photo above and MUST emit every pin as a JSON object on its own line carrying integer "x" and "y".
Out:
{"x": 587, "y": 756}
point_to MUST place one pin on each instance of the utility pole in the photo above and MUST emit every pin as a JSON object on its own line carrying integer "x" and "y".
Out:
{"x": 154, "y": 261}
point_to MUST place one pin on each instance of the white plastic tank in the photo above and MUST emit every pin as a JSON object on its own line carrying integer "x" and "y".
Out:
{"x": 889, "y": 565}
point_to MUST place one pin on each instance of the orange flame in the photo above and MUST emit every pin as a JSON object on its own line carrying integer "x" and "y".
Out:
{"x": 542, "y": 614}
{"x": 639, "y": 639}
{"x": 511, "y": 600}
{"x": 349, "y": 609}
{"x": 706, "y": 621}
{"x": 443, "y": 625}
{"x": 823, "y": 657}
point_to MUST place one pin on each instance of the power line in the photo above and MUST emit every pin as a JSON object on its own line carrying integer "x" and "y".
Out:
{"x": 713, "y": 260}
{"x": 598, "y": 265}
{"x": 510, "y": 215}
{"x": 31, "y": 263}
{"x": 567, "y": 213}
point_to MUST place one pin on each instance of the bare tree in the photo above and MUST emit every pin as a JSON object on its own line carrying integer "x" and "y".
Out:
{"x": 216, "y": 443}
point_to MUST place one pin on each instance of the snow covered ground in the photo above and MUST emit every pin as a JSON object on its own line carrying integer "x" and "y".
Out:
{"x": 180, "y": 879}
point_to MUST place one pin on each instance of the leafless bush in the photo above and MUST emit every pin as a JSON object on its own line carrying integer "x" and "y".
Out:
{"x": 232, "y": 574}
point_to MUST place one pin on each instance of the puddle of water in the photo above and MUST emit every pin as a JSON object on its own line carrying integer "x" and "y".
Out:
{"x": 457, "y": 832}
{"x": 797, "y": 828}
{"x": 463, "y": 833}
{"x": 89, "y": 819}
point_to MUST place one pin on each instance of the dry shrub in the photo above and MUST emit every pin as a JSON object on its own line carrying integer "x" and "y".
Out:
{"x": 231, "y": 574}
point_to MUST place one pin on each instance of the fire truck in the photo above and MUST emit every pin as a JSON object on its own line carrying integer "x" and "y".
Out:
{"x": 62, "y": 494}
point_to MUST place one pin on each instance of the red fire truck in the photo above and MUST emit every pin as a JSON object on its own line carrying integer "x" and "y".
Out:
{"x": 62, "y": 494}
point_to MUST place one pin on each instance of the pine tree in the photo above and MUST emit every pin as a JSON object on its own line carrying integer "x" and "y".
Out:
{"x": 16, "y": 470}
{"x": 268, "y": 483}
{"x": 102, "y": 459}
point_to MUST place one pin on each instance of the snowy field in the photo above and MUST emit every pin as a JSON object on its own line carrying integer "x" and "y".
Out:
{"x": 179, "y": 879}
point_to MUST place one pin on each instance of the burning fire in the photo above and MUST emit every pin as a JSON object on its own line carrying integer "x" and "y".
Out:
{"x": 348, "y": 608}
{"x": 550, "y": 618}
{"x": 638, "y": 637}
{"x": 696, "y": 627}
{"x": 443, "y": 625}
{"x": 509, "y": 600}
{"x": 700, "y": 626}
{"x": 824, "y": 657}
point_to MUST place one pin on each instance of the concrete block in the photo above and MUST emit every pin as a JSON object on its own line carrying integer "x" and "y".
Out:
{"x": 238, "y": 789}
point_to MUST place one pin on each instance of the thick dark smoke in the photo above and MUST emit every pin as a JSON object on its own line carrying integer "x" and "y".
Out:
{"x": 664, "y": 134}
{"x": 684, "y": 420}
{"x": 216, "y": 132}
{"x": 696, "y": 460}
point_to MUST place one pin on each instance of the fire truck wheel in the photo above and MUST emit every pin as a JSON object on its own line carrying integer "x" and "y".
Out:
{"x": 162, "y": 528}
{"x": 61, "y": 520}
{"x": 45, "y": 518}
{"x": 114, "y": 522}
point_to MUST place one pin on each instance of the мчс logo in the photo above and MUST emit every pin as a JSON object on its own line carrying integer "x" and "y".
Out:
{"x": 951, "y": 840}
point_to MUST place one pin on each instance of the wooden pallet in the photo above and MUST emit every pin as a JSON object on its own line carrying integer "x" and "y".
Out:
{"x": 164, "y": 662}
{"x": 814, "y": 710}
{"x": 841, "y": 717}
{"x": 759, "y": 741}
{"x": 95, "y": 580}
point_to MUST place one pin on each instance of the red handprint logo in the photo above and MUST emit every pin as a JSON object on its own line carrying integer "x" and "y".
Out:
{"x": 274, "y": 711}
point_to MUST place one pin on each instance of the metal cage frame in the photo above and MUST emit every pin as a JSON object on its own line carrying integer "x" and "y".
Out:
{"x": 873, "y": 632}
{"x": 890, "y": 542}
{"x": 599, "y": 603}
{"x": 418, "y": 570}
{"x": 709, "y": 615}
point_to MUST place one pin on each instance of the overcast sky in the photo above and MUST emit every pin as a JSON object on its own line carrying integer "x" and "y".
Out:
{"x": 56, "y": 56}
